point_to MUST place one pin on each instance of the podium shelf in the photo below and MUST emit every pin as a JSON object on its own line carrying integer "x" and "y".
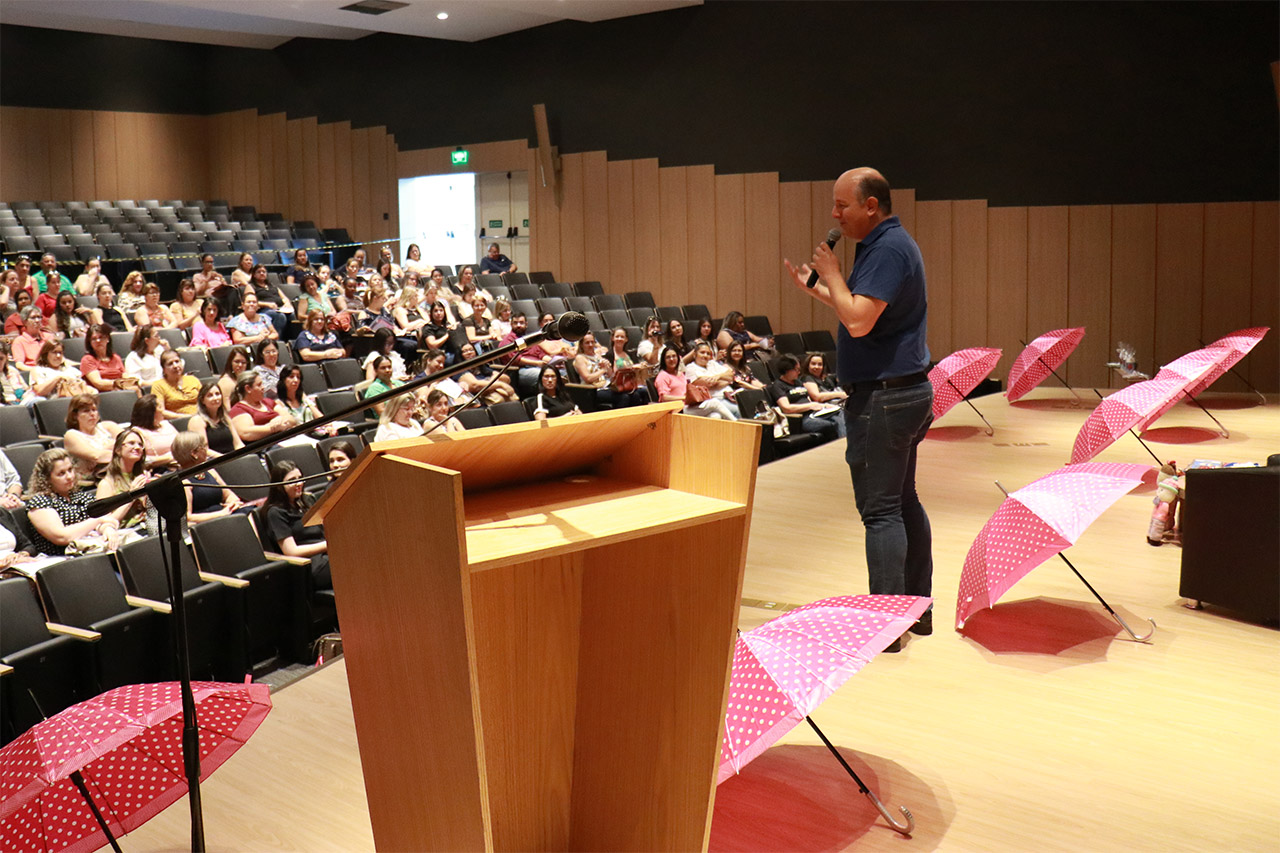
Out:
{"x": 575, "y": 513}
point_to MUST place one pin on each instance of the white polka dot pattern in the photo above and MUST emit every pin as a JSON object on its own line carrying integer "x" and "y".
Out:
{"x": 1187, "y": 370}
{"x": 1238, "y": 344}
{"x": 787, "y": 667}
{"x": 127, "y": 743}
{"x": 1036, "y": 522}
{"x": 958, "y": 374}
{"x": 1119, "y": 412}
{"x": 1034, "y": 363}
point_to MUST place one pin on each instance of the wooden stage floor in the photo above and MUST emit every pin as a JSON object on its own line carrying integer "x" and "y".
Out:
{"x": 1042, "y": 728}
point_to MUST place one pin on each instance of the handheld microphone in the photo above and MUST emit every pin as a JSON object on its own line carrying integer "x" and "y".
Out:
{"x": 833, "y": 237}
{"x": 569, "y": 326}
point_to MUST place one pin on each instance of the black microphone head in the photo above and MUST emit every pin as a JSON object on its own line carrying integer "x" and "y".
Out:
{"x": 570, "y": 326}
{"x": 833, "y": 236}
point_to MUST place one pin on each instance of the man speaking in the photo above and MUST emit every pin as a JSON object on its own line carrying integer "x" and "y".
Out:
{"x": 883, "y": 363}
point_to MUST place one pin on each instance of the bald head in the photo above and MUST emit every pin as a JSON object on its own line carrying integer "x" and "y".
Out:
{"x": 868, "y": 183}
{"x": 861, "y": 201}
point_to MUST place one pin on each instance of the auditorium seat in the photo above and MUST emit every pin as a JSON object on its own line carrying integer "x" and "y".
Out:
{"x": 758, "y": 324}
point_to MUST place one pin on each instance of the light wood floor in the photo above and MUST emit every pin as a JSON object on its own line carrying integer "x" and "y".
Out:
{"x": 1039, "y": 729}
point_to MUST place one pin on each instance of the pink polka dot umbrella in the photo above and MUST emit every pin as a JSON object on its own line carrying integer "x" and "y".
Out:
{"x": 1240, "y": 342}
{"x": 957, "y": 375}
{"x": 1040, "y": 358}
{"x": 784, "y": 669}
{"x": 1119, "y": 412}
{"x": 1038, "y": 521}
{"x": 108, "y": 765}
{"x": 1191, "y": 370}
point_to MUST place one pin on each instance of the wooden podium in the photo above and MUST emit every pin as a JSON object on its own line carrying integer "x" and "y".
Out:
{"x": 539, "y": 623}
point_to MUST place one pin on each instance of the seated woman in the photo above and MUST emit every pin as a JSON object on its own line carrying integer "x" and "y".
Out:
{"x": 239, "y": 359}
{"x": 101, "y": 366}
{"x": 54, "y": 377}
{"x": 289, "y": 395}
{"x": 651, "y": 344}
{"x": 26, "y": 346}
{"x": 186, "y": 309}
{"x": 148, "y": 419}
{"x": 13, "y": 324}
{"x": 314, "y": 298}
{"x": 242, "y": 274}
{"x": 479, "y": 326}
{"x": 736, "y": 360}
{"x": 250, "y": 327}
{"x": 476, "y": 381}
{"x": 56, "y": 509}
{"x": 628, "y": 377}
{"x": 316, "y": 342}
{"x": 410, "y": 314}
{"x": 284, "y": 510}
{"x": 209, "y": 282}
{"x": 433, "y": 363}
{"x": 467, "y": 278}
{"x": 209, "y": 331}
{"x": 268, "y": 365}
{"x": 175, "y": 389}
{"x": 70, "y": 319}
{"x": 301, "y": 268}
{"x": 89, "y": 440}
{"x": 384, "y": 344}
{"x": 436, "y": 334}
{"x": 501, "y": 322}
{"x": 438, "y": 419}
{"x": 674, "y": 387}
{"x": 14, "y": 389}
{"x": 272, "y": 303}
{"x": 211, "y": 420}
{"x": 383, "y": 380}
{"x": 15, "y": 547}
{"x": 340, "y": 456}
{"x": 553, "y": 400}
{"x": 413, "y": 260}
{"x": 822, "y": 387}
{"x": 88, "y": 282}
{"x": 715, "y": 379}
{"x": 207, "y": 496}
{"x": 107, "y": 314}
{"x": 735, "y": 329}
{"x": 143, "y": 361}
{"x": 130, "y": 298}
{"x": 126, "y": 471}
{"x": 252, "y": 414}
{"x": 396, "y": 420}
{"x": 151, "y": 312}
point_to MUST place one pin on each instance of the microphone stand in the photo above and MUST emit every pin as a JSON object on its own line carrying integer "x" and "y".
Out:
{"x": 167, "y": 495}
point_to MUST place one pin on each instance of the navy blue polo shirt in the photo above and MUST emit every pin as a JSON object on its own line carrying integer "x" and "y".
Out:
{"x": 888, "y": 266}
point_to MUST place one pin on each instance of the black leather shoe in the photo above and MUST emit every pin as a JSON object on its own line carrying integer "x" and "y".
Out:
{"x": 894, "y": 647}
{"x": 924, "y": 625}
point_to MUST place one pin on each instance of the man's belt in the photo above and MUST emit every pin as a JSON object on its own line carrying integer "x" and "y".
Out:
{"x": 885, "y": 384}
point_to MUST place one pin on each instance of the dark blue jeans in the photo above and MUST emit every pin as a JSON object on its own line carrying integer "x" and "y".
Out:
{"x": 884, "y": 429}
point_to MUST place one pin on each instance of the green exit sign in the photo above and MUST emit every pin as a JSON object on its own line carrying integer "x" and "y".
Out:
{"x": 495, "y": 223}
{"x": 460, "y": 157}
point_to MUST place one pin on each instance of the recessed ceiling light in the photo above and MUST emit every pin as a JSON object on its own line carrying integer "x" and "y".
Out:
{"x": 442, "y": 16}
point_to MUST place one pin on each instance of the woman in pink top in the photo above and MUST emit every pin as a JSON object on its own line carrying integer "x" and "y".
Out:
{"x": 209, "y": 330}
{"x": 26, "y": 346}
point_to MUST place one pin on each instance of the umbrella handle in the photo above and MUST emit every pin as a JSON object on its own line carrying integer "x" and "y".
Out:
{"x": 904, "y": 828}
{"x": 1123, "y": 624}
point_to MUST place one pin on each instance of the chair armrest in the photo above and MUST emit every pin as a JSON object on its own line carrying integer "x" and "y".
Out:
{"x": 281, "y": 558}
{"x": 78, "y": 633}
{"x": 157, "y": 606}
{"x": 5, "y": 669}
{"x": 225, "y": 580}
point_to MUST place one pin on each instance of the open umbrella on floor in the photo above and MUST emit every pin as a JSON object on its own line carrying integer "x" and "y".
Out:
{"x": 787, "y": 667}
{"x": 1040, "y": 358}
{"x": 1038, "y": 521}
{"x": 1240, "y": 342}
{"x": 106, "y": 766}
{"x": 958, "y": 374}
{"x": 1191, "y": 370}
{"x": 1120, "y": 412}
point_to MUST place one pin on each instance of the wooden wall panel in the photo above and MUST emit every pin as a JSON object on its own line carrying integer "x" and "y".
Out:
{"x": 294, "y": 168}
{"x": 673, "y": 202}
{"x": 1133, "y": 284}
{"x": 247, "y": 138}
{"x": 1089, "y": 293}
{"x": 763, "y": 258}
{"x": 360, "y": 208}
{"x": 820, "y": 205}
{"x": 84, "y": 182}
{"x": 700, "y": 190}
{"x": 545, "y": 222}
{"x": 1007, "y": 284}
{"x": 572, "y": 240}
{"x": 795, "y": 229}
{"x": 311, "y": 170}
{"x": 647, "y": 207}
{"x": 267, "y": 198}
{"x": 1047, "y": 259}
{"x": 344, "y": 179}
{"x": 968, "y": 274}
{"x": 933, "y": 233}
{"x": 1228, "y": 268}
{"x": 105, "y": 157}
{"x": 127, "y": 155}
{"x": 393, "y": 190}
{"x": 622, "y": 239}
{"x": 279, "y": 124}
{"x": 509, "y": 156}
{"x": 731, "y": 262}
{"x": 904, "y": 207}
{"x": 379, "y": 197}
{"x": 1262, "y": 366}
{"x": 1179, "y": 279}
{"x": 61, "y": 177}
{"x": 16, "y": 162}
{"x": 595, "y": 216}
{"x": 327, "y": 213}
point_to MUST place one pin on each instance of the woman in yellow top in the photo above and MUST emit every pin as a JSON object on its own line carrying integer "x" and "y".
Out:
{"x": 176, "y": 391}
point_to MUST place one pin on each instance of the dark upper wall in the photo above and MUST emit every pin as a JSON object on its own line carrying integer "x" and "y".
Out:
{"x": 1020, "y": 103}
